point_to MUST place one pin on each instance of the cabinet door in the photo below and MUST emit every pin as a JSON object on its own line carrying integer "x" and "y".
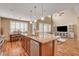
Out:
{"x": 23, "y": 42}
{"x": 27, "y": 46}
{"x": 47, "y": 49}
{"x": 34, "y": 46}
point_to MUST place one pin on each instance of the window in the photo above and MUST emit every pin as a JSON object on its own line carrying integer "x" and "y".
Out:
{"x": 16, "y": 25}
{"x": 47, "y": 28}
{"x": 44, "y": 27}
{"x": 12, "y": 26}
{"x": 33, "y": 28}
{"x": 41, "y": 27}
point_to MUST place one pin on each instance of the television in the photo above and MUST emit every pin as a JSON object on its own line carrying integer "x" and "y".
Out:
{"x": 62, "y": 28}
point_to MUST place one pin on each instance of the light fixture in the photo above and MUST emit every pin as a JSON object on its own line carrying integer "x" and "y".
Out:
{"x": 60, "y": 13}
{"x": 35, "y": 14}
{"x": 11, "y": 9}
{"x": 42, "y": 18}
{"x": 35, "y": 21}
{"x": 30, "y": 22}
{"x": 31, "y": 17}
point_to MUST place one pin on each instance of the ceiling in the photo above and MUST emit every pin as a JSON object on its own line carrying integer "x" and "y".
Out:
{"x": 22, "y": 10}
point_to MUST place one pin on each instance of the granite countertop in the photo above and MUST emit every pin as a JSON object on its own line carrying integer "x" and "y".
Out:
{"x": 42, "y": 38}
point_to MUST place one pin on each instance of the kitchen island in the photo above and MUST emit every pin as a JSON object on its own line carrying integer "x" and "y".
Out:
{"x": 37, "y": 45}
{"x": 41, "y": 45}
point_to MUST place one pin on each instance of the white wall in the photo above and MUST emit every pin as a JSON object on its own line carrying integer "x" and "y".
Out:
{"x": 77, "y": 11}
{"x": 69, "y": 17}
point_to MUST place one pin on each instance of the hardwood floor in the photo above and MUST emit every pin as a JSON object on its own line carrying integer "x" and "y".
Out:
{"x": 14, "y": 49}
{"x": 68, "y": 48}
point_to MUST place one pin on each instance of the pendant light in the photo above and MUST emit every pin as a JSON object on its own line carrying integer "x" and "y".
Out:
{"x": 35, "y": 14}
{"x": 33, "y": 18}
{"x": 42, "y": 18}
{"x": 30, "y": 16}
{"x": 30, "y": 22}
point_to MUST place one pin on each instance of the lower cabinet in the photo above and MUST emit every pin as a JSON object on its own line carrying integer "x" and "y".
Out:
{"x": 47, "y": 49}
{"x": 30, "y": 46}
{"x": 23, "y": 42}
{"x": 27, "y": 46}
{"x": 34, "y": 48}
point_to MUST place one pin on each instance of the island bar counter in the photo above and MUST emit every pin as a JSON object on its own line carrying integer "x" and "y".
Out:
{"x": 41, "y": 45}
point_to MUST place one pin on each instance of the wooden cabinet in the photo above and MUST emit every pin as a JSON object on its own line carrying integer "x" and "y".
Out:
{"x": 22, "y": 41}
{"x": 34, "y": 47}
{"x": 15, "y": 37}
{"x": 27, "y": 46}
{"x": 47, "y": 49}
{"x": 30, "y": 46}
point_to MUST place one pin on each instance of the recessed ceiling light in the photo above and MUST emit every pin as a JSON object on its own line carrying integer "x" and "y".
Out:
{"x": 34, "y": 6}
{"x": 11, "y": 9}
